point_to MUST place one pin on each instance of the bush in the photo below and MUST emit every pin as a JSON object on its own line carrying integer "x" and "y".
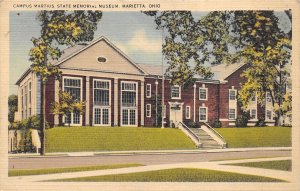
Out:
{"x": 260, "y": 122}
{"x": 32, "y": 122}
{"x": 217, "y": 123}
{"x": 242, "y": 120}
{"x": 25, "y": 144}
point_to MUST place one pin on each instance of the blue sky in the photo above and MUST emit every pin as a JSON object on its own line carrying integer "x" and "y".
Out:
{"x": 133, "y": 32}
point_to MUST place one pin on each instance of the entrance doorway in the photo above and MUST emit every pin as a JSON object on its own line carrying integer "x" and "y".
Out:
{"x": 175, "y": 113}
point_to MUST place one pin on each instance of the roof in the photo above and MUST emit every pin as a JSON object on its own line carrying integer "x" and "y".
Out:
{"x": 223, "y": 71}
{"x": 152, "y": 69}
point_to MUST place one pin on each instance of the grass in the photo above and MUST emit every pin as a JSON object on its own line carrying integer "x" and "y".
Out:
{"x": 176, "y": 175}
{"x": 72, "y": 139}
{"x": 285, "y": 165}
{"x": 68, "y": 169}
{"x": 256, "y": 136}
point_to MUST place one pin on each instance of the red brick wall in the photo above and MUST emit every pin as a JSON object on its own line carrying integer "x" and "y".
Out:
{"x": 49, "y": 97}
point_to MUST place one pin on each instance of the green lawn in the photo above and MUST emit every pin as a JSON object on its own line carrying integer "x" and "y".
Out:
{"x": 72, "y": 139}
{"x": 285, "y": 165}
{"x": 69, "y": 169}
{"x": 256, "y": 136}
{"x": 176, "y": 175}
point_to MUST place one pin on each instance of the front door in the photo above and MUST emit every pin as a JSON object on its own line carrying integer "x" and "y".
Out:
{"x": 175, "y": 113}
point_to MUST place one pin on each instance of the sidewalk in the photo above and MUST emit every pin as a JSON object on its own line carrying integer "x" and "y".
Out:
{"x": 150, "y": 152}
{"x": 215, "y": 165}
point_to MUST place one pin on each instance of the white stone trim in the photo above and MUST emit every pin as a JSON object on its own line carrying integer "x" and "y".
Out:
{"x": 116, "y": 102}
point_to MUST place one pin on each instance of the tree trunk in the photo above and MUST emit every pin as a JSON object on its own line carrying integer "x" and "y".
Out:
{"x": 42, "y": 116}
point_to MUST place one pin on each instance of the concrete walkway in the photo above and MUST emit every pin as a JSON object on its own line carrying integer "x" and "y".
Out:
{"x": 215, "y": 165}
{"x": 61, "y": 154}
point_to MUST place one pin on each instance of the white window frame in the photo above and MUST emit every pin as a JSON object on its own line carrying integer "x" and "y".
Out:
{"x": 131, "y": 107}
{"x": 148, "y": 110}
{"x": 81, "y": 85}
{"x": 101, "y": 116}
{"x": 230, "y": 118}
{"x": 148, "y": 90}
{"x": 188, "y": 112}
{"x": 235, "y": 93}
{"x": 109, "y": 90}
{"x": 179, "y": 93}
{"x": 255, "y": 114}
{"x": 203, "y": 107}
{"x": 202, "y": 88}
{"x": 268, "y": 97}
{"x": 272, "y": 115}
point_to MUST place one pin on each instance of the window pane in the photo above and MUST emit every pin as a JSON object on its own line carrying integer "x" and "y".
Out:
{"x": 105, "y": 120}
{"x": 125, "y": 117}
{"x": 175, "y": 92}
{"x": 231, "y": 114}
{"x": 76, "y": 118}
{"x": 202, "y": 114}
{"x": 132, "y": 117}
{"x": 97, "y": 116}
{"x": 232, "y": 95}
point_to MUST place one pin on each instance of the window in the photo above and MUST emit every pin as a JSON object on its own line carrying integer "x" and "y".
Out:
{"x": 253, "y": 113}
{"x": 231, "y": 113}
{"x": 175, "y": 92}
{"x": 22, "y": 105}
{"x": 268, "y": 97}
{"x": 29, "y": 91}
{"x": 129, "y": 94}
{"x": 26, "y": 100}
{"x": 129, "y": 103}
{"x": 253, "y": 98}
{"x": 187, "y": 112}
{"x": 164, "y": 111}
{"x": 72, "y": 85}
{"x": 148, "y": 90}
{"x": 101, "y": 116}
{"x": 269, "y": 115}
{"x": 101, "y": 92}
{"x": 232, "y": 94}
{"x": 203, "y": 114}
{"x": 148, "y": 110}
{"x": 202, "y": 93}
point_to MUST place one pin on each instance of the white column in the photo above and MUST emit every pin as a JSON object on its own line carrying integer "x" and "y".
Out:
{"x": 56, "y": 99}
{"x": 142, "y": 102}
{"x": 87, "y": 99}
{"x": 194, "y": 103}
{"x": 116, "y": 100}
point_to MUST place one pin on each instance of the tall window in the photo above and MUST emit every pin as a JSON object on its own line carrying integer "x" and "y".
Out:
{"x": 129, "y": 103}
{"x": 202, "y": 93}
{"x": 26, "y": 100}
{"x": 232, "y": 94}
{"x": 203, "y": 114}
{"x": 73, "y": 86}
{"x": 175, "y": 92}
{"x": 22, "y": 105}
{"x": 29, "y": 91}
{"x": 231, "y": 113}
{"x": 101, "y": 92}
{"x": 148, "y": 110}
{"x": 101, "y": 102}
{"x": 187, "y": 112}
{"x": 268, "y": 97}
{"x": 269, "y": 115}
{"x": 148, "y": 90}
{"x": 129, "y": 94}
{"x": 253, "y": 113}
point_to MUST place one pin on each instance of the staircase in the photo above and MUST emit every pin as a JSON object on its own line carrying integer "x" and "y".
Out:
{"x": 204, "y": 137}
{"x": 206, "y": 140}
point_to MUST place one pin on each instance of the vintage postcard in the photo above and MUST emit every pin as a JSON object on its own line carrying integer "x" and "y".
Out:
{"x": 149, "y": 95}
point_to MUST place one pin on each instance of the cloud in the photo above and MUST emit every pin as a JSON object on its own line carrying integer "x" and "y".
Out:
{"x": 140, "y": 42}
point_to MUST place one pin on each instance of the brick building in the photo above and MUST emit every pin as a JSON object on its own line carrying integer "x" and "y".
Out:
{"x": 120, "y": 92}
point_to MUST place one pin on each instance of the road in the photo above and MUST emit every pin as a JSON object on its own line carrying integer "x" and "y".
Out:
{"x": 146, "y": 159}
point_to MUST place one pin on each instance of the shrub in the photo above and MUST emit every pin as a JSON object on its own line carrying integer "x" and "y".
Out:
{"x": 260, "y": 122}
{"x": 242, "y": 120}
{"x": 217, "y": 123}
{"x": 25, "y": 144}
{"x": 32, "y": 122}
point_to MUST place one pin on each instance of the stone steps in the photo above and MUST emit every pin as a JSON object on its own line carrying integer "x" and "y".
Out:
{"x": 206, "y": 140}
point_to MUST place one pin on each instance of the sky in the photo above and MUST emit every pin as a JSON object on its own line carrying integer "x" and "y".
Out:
{"x": 133, "y": 32}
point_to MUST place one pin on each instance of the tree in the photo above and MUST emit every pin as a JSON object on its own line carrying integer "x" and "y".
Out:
{"x": 67, "y": 105}
{"x": 227, "y": 37}
{"x": 58, "y": 30}
{"x": 12, "y": 107}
